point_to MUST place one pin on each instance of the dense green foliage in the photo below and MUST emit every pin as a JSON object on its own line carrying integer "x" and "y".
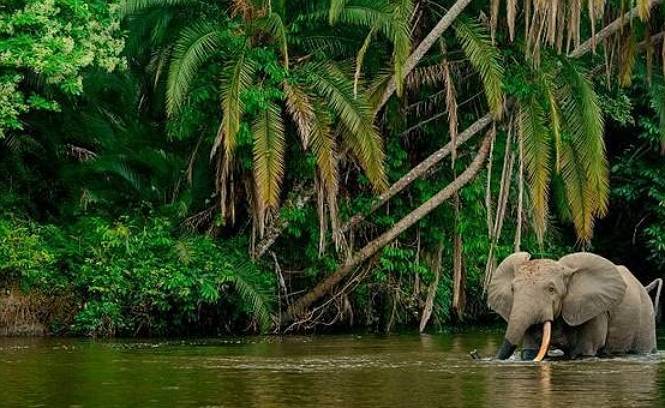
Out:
{"x": 136, "y": 276}
{"x": 44, "y": 48}
{"x": 149, "y": 147}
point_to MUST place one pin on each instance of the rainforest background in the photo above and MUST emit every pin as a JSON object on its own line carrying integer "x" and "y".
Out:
{"x": 200, "y": 167}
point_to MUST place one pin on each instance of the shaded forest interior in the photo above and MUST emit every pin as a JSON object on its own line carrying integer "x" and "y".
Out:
{"x": 197, "y": 167}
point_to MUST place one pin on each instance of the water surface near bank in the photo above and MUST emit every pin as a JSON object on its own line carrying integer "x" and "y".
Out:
{"x": 323, "y": 371}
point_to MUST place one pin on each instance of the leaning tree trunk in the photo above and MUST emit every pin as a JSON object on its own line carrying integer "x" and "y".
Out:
{"x": 422, "y": 168}
{"x": 478, "y": 125}
{"x": 608, "y": 30}
{"x": 436, "y": 265}
{"x": 423, "y": 48}
{"x": 374, "y": 246}
{"x": 418, "y": 171}
{"x": 279, "y": 225}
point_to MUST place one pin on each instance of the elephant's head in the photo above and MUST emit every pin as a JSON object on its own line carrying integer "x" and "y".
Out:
{"x": 528, "y": 293}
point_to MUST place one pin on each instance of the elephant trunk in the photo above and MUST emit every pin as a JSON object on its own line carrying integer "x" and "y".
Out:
{"x": 519, "y": 322}
{"x": 517, "y": 326}
{"x": 506, "y": 350}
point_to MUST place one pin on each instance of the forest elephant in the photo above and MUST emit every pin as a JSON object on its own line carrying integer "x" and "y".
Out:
{"x": 582, "y": 304}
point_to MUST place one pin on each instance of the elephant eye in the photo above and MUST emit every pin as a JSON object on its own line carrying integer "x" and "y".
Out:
{"x": 551, "y": 289}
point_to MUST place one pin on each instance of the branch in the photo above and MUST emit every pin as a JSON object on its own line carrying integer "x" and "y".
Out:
{"x": 402, "y": 225}
{"x": 418, "y": 171}
{"x": 608, "y": 30}
{"x": 422, "y": 49}
{"x": 279, "y": 225}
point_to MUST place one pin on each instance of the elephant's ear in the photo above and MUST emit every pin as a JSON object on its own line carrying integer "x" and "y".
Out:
{"x": 595, "y": 285}
{"x": 500, "y": 294}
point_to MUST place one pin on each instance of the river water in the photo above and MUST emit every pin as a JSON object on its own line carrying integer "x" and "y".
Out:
{"x": 325, "y": 371}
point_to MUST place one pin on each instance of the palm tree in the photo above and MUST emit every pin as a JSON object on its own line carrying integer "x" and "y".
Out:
{"x": 560, "y": 125}
{"x": 559, "y": 121}
{"x": 259, "y": 93}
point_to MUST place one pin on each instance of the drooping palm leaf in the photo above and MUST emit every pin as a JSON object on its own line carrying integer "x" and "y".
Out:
{"x": 274, "y": 24}
{"x": 299, "y": 106}
{"x": 360, "y": 58}
{"x": 258, "y": 302}
{"x": 194, "y": 45}
{"x": 573, "y": 173}
{"x": 546, "y": 78}
{"x": 583, "y": 121}
{"x": 238, "y": 76}
{"x": 323, "y": 147}
{"x": 536, "y": 142}
{"x": 485, "y": 58}
{"x": 269, "y": 149}
{"x": 354, "y": 114}
{"x": 400, "y": 32}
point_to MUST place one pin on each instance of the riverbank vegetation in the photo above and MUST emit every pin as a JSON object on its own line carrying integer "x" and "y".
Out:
{"x": 196, "y": 167}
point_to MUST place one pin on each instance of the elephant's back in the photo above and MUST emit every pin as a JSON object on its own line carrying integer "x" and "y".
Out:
{"x": 631, "y": 322}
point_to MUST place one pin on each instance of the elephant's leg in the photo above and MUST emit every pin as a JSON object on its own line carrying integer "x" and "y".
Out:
{"x": 590, "y": 337}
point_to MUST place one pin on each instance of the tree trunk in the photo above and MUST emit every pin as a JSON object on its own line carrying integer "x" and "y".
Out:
{"x": 423, "y": 48}
{"x": 478, "y": 125}
{"x": 436, "y": 265}
{"x": 418, "y": 171}
{"x": 374, "y": 246}
{"x": 279, "y": 225}
{"x": 459, "y": 280}
{"x": 520, "y": 196}
{"x": 608, "y": 30}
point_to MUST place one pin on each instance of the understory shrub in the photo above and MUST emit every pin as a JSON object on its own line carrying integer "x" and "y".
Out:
{"x": 138, "y": 276}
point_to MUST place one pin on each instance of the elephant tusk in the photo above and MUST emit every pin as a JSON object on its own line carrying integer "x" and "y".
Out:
{"x": 545, "y": 344}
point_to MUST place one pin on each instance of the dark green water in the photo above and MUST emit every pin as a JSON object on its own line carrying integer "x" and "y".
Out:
{"x": 328, "y": 371}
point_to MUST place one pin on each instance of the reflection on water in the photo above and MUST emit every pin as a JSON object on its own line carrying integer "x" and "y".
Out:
{"x": 336, "y": 371}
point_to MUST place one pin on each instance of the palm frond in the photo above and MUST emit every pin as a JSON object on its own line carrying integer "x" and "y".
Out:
{"x": 644, "y": 9}
{"x": 120, "y": 168}
{"x": 627, "y": 59}
{"x": 390, "y": 19}
{"x": 275, "y": 25}
{"x": 238, "y": 76}
{"x": 330, "y": 45}
{"x": 575, "y": 182}
{"x": 583, "y": 122}
{"x": 323, "y": 146}
{"x": 194, "y": 45}
{"x": 299, "y": 106}
{"x": 241, "y": 279}
{"x": 485, "y": 58}
{"x": 546, "y": 78}
{"x": 336, "y": 7}
{"x": 269, "y": 149}
{"x": 355, "y": 115}
{"x": 134, "y": 6}
{"x": 360, "y": 59}
{"x": 536, "y": 141}
{"x": 400, "y": 35}
{"x": 362, "y": 13}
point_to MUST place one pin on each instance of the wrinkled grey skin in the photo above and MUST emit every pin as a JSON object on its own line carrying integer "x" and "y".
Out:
{"x": 595, "y": 306}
